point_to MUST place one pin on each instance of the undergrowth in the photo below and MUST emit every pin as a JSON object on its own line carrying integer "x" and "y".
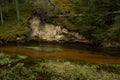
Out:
{"x": 11, "y": 27}
{"x": 20, "y": 67}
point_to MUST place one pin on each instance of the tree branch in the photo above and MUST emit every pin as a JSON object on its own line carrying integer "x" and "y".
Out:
{"x": 114, "y": 12}
{"x": 54, "y": 5}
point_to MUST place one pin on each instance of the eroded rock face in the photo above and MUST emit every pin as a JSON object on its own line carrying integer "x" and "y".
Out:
{"x": 49, "y": 32}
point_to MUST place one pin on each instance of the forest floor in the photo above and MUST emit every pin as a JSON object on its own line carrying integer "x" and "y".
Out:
{"x": 21, "y": 67}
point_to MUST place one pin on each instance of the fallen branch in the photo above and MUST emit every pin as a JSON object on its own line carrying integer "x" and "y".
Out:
{"x": 115, "y": 12}
{"x": 67, "y": 15}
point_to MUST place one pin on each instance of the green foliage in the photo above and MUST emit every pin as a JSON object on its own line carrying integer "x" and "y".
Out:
{"x": 2, "y": 2}
{"x": 55, "y": 69}
{"x": 110, "y": 68}
{"x": 44, "y": 9}
{"x": 56, "y": 78}
{"x": 13, "y": 28}
{"x": 4, "y": 61}
{"x": 97, "y": 19}
{"x": 99, "y": 23}
{"x": 97, "y": 36}
{"x": 22, "y": 57}
{"x": 38, "y": 69}
{"x": 114, "y": 31}
{"x": 83, "y": 70}
{"x": 18, "y": 72}
{"x": 8, "y": 32}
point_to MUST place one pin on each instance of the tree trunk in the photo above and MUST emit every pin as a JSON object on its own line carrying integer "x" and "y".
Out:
{"x": 1, "y": 15}
{"x": 13, "y": 1}
{"x": 7, "y": 6}
{"x": 17, "y": 10}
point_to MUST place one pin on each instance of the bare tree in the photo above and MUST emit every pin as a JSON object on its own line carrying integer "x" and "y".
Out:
{"x": 7, "y": 6}
{"x": 1, "y": 11}
{"x": 1, "y": 15}
{"x": 17, "y": 10}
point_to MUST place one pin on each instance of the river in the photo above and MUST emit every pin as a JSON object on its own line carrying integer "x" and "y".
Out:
{"x": 72, "y": 52}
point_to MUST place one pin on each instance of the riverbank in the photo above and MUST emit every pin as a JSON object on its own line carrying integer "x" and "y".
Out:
{"x": 20, "y": 67}
{"x": 20, "y": 34}
{"x": 31, "y": 29}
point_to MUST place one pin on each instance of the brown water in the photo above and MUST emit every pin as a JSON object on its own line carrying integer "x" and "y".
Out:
{"x": 90, "y": 54}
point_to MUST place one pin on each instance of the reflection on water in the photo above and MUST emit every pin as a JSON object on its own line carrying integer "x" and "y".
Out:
{"x": 89, "y": 54}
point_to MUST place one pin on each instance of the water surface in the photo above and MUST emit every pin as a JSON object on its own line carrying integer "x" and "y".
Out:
{"x": 90, "y": 54}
